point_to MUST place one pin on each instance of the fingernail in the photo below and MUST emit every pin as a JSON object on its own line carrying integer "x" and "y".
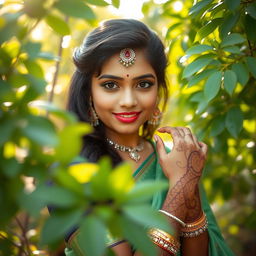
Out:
{"x": 155, "y": 138}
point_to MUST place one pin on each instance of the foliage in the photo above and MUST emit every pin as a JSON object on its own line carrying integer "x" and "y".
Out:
{"x": 39, "y": 141}
{"x": 212, "y": 52}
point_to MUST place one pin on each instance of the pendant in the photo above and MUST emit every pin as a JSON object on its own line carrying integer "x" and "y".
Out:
{"x": 134, "y": 155}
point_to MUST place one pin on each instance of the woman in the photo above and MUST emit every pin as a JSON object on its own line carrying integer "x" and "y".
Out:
{"x": 118, "y": 86}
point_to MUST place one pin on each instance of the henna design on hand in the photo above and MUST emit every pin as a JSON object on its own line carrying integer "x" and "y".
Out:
{"x": 183, "y": 199}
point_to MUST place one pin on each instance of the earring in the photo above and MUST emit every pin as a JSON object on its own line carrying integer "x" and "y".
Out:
{"x": 93, "y": 115}
{"x": 155, "y": 119}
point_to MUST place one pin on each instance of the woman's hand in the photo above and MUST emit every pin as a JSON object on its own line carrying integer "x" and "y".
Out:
{"x": 183, "y": 167}
{"x": 187, "y": 157}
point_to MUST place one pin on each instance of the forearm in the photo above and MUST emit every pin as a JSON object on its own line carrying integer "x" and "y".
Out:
{"x": 184, "y": 202}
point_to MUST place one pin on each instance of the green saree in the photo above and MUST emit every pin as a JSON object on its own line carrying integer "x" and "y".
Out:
{"x": 150, "y": 169}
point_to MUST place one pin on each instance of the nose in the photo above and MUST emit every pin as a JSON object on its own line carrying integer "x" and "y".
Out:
{"x": 128, "y": 98}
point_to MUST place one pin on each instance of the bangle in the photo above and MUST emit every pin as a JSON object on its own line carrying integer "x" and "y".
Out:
{"x": 195, "y": 228}
{"x": 164, "y": 240}
{"x": 173, "y": 217}
{"x": 196, "y": 232}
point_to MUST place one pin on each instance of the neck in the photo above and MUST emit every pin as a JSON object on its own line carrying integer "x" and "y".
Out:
{"x": 128, "y": 140}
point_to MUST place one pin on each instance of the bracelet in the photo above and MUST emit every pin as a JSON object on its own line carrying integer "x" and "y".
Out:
{"x": 195, "y": 228}
{"x": 163, "y": 244}
{"x": 196, "y": 232}
{"x": 173, "y": 217}
{"x": 164, "y": 240}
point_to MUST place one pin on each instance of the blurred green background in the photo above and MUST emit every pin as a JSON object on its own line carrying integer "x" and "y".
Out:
{"x": 211, "y": 47}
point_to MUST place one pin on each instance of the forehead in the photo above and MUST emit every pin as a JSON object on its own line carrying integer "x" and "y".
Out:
{"x": 140, "y": 66}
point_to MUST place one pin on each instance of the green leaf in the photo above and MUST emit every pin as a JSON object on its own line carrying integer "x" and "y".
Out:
{"x": 146, "y": 216}
{"x": 144, "y": 191}
{"x": 171, "y": 28}
{"x": 196, "y": 65}
{"x": 212, "y": 85}
{"x": 97, "y": 2}
{"x": 196, "y": 49}
{"x": 234, "y": 121}
{"x": 228, "y": 23}
{"x": 251, "y": 64}
{"x": 232, "y": 49}
{"x": 75, "y": 8}
{"x": 34, "y": 68}
{"x": 199, "y": 6}
{"x": 232, "y": 39}
{"x": 137, "y": 235}
{"x": 32, "y": 49}
{"x": 251, "y": 9}
{"x": 203, "y": 103}
{"x": 101, "y": 188}
{"x": 7, "y": 128}
{"x": 57, "y": 225}
{"x": 51, "y": 108}
{"x": 70, "y": 141}
{"x": 6, "y": 92}
{"x": 48, "y": 56}
{"x": 17, "y": 80}
{"x": 54, "y": 195}
{"x": 39, "y": 129}
{"x": 217, "y": 126}
{"x": 200, "y": 76}
{"x": 116, "y": 3}
{"x": 230, "y": 81}
{"x": 92, "y": 236}
{"x": 232, "y": 4}
{"x": 209, "y": 27}
{"x": 196, "y": 97}
{"x": 249, "y": 26}
{"x": 242, "y": 73}
{"x": 58, "y": 25}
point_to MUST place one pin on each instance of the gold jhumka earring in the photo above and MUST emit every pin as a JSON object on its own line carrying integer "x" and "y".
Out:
{"x": 156, "y": 117}
{"x": 94, "y": 119}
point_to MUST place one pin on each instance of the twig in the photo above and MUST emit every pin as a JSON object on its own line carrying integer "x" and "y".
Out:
{"x": 56, "y": 74}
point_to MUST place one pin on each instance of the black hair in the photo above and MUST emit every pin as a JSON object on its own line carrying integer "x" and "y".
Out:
{"x": 99, "y": 45}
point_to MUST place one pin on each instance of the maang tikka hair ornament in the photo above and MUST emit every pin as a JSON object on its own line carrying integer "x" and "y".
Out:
{"x": 94, "y": 119}
{"x": 127, "y": 57}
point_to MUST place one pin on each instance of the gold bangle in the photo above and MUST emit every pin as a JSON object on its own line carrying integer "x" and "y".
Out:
{"x": 165, "y": 245}
{"x": 196, "y": 232}
{"x": 166, "y": 236}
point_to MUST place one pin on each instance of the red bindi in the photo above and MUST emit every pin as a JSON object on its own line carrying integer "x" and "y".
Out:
{"x": 127, "y": 75}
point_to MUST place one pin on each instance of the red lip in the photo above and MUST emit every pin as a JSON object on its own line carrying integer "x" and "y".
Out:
{"x": 127, "y": 117}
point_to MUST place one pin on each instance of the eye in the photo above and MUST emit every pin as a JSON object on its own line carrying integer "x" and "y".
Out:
{"x": 145, "y": 84}
{"x": 109, "y": 85}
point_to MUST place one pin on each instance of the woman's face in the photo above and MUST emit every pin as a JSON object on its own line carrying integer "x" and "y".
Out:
{"x": 125, "y": 97}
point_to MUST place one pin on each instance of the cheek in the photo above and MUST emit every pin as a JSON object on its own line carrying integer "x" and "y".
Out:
{"x": 149, "y": 100}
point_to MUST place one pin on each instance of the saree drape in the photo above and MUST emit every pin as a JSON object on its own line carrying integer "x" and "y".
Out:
{"x": 150, "y": 169}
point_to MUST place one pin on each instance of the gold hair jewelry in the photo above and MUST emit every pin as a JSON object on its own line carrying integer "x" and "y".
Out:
{"x": 127, "y": 57}
{"x": 133, "y": 152}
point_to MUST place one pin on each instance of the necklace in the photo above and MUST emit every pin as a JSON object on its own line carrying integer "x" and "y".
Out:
{"x": 133, "y": 152}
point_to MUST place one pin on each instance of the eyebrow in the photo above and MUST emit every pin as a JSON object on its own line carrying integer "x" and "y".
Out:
{"x": 120, "y": 78}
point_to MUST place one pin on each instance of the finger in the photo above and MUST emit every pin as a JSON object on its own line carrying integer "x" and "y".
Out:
{"x": 203, "y": 147}
{"x": 160, "y": 146}
{"x": 173, "y": 131}
{"x": 181, "y": 131}
{"x": 196, "y": 141}
{"x": 188, "y": 137}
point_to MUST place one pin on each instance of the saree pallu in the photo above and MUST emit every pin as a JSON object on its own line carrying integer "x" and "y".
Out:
{"x": 150, "y": 169}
